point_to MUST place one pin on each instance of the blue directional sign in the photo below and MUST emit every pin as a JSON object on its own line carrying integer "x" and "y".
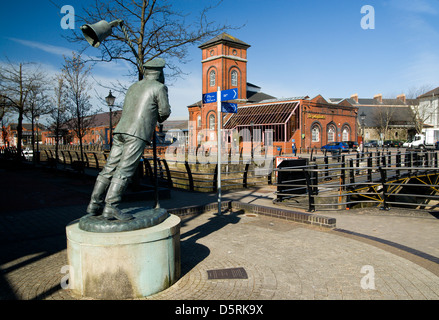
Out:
{"x": 229, "y": 107}
{"x": 209, "y": 97}
{"x": 230, "y": 94}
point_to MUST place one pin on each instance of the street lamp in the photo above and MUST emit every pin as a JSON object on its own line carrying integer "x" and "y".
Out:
{"x": 110, "y": 102}
{"x": 37, "y": 118}
{"x": 362, "y": 118}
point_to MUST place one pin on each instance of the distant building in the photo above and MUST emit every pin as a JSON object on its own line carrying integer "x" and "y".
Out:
{"x": 429, "y": 107}
{"x": 98, "y": 131}
{"x": 386, "y": 119}
{"x": 9, "y": 136}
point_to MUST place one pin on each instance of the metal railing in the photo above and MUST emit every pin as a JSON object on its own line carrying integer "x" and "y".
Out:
{"x": 188, "y": 175}
{"x": 382, "y": 179}
{"x": 206, "y": 180}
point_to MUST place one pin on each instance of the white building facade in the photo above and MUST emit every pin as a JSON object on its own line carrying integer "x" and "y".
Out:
{"x": 429, "y": 107}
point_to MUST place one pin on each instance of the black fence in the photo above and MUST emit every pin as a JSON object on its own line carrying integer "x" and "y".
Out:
{"x": 383, "y": 178}
{"x": 188, "y": 175}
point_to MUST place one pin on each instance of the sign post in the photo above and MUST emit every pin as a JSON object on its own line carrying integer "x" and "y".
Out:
{"x": 219, "y": 149}
{"x": 226, "y": 107}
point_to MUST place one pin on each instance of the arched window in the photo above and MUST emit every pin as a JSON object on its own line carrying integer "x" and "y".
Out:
{"x": 234, "y": 78}
{"x": 345, "y": 134}
{"x": 331, "y": 134}
{"x": 199, "y": 121}
{"x": 315, "y": 133}
{"x": 212, "y": 77}
{"x": 212, "y": 122}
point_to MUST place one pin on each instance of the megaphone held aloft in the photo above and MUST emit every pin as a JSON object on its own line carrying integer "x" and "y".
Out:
{"x": 97, "y": 32}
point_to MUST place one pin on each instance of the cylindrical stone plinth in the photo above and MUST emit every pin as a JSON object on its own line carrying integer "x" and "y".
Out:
{"x": 124, "y": 265}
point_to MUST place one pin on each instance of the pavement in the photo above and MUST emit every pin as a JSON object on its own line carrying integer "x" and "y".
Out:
{"x": 370, "y": 255}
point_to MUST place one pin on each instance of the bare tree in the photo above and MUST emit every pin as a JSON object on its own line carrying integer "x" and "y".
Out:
{"x": 421, "y": 114}
{"x": 383, "y": 116}
{"x": 57, "y": 115}
{"x": 4, "y": 107}
{"x": 38, "y": 105}
{"x": 16, "y": 84}
{"x": 4, "y": 111}
{"x": 78, "y": 105}
{"x": 154, "y": 28}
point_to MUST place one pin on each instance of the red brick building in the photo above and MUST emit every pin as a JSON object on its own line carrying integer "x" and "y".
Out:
{"x": 309, "y": 122}
{"x": 9, "y": 135}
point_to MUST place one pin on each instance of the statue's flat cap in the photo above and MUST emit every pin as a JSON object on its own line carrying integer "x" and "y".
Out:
{"x": 155, "y": 63}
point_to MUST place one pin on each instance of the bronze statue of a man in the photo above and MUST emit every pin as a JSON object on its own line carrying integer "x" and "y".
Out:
{"x": 146, "y": 102}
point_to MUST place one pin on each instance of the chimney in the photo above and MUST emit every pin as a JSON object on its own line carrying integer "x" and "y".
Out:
{"x": 355, "y": 97}
{"x": 401, "y": 97}
{"x": 378, "y": 98}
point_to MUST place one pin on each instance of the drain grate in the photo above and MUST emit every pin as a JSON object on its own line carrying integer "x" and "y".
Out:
{"x": 231, "y": 273}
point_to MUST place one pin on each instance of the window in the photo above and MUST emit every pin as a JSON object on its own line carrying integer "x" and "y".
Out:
{"x": 212, "y": 76}
{"x": 315, "y": 134}
{"x": 234, "y": 78}
{"x": 199, "y": 121}
{"x": 212, "y": 122}
{"x": 331, "y": 134}
{"x": 345, "y": 134}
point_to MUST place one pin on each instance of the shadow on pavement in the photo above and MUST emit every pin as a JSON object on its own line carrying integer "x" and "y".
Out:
{"x": 192, "y": 252}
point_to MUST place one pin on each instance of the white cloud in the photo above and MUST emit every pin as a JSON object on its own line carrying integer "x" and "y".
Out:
{"x": 105, "y": 76}
{"x": 117, "y": 66}
{"x": 44, "y": 47}
{"x": 423, "y": 70}
{"x": 415, "y": 6}
{"x": 414, "y": 17}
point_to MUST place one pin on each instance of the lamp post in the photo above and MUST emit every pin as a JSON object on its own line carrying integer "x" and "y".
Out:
{"x": 110, "y": 102}
{"x": 362, "y": 118}
{"x": 37, "y": 118}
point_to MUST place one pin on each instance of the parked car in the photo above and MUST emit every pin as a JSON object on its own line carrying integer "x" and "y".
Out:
{"x": 336, "y": 146}
{"x": 353, "y": 145}
{"x": 388, "y": 143}
{"x": 371, "y": 144}
{"x": 392, "y": 143}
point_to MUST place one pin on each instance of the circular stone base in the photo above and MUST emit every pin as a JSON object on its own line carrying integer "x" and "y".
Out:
{"x": 142, "y": 218}
{"x": 123, "y": 265}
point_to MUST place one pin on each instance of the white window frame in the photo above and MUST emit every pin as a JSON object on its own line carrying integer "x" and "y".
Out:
{"x": 331, "y": 134}
{"x": 212, "y": 78}
{"x": 345, "y": 134}
{"x": 315, "y": 134}
{"x": 212, "y": 122}
{"x": 234, "y": 78}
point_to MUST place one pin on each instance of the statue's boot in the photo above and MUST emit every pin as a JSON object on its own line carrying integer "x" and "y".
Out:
{"x": 113, "y": 200}
{"x": 96, "y": 204}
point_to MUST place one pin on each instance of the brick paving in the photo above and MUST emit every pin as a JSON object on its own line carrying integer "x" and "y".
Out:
{"x": 283, "y": 259}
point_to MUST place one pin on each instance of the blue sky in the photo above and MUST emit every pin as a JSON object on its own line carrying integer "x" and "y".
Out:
{"x": 297, "y": 47}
